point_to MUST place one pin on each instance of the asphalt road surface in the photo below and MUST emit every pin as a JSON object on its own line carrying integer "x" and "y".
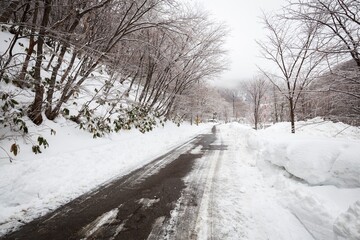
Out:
{"x": 162, "y": 200}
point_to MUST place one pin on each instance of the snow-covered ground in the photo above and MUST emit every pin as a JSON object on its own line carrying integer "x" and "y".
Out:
{"x": 268, "y": 184}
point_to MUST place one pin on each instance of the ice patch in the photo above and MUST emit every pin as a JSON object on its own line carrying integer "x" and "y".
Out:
{"x": 107, "y": 217}
{"x": 196, "y": 150}
{"x": 146, "y": 202}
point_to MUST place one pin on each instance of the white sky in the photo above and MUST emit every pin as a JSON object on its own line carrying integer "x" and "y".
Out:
{"x": 243, "y": 19}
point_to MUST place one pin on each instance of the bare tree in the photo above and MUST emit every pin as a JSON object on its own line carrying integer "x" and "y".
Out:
{"x": 201, "y": 102}
{"x": 128, "y": 17}
{"x": 291, "y": 47}
{"x": 255, "y": 92}
{"x": 35, "y": 109}
{"x": 340, "y": 22}
{"x": 235, "y": 99}
{"x": 335, "y": 95}
{"x": 174, "y": 61}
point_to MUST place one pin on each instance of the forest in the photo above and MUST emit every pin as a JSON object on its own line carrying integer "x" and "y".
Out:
{"x": 106, "y": 65}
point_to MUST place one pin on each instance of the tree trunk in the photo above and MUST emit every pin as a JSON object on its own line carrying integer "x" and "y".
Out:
{"x": 56, "y": 49}
{"x": 255, "y": 120}
{"x": 36, "y": 107}
{"x": 21, "y": 79}
{"x": 51, "y": 89}
{"x": 292, "y": 114}
{"x": 276, "y": 114}
{"x": 50, "y": 113}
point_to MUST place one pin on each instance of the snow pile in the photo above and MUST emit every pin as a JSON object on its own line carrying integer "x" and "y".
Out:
{"x": 316, "y": 160}
{"x": 312, "y": 155}
{"x": 318, "y": 207}
{"x": 75, "y": 163}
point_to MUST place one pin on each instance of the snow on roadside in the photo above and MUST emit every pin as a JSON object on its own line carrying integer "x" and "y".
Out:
{"x": 247, "y": 207}
{"x": 321, "y": 152}
{"x": 33, "y": 185}
{"x": 322, "y": 155}
{"x": 317, "y": 160}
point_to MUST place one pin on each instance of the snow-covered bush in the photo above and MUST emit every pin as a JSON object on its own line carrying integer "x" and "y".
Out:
{"x": 127, "y": 118}
{"x": 14, "y": 123}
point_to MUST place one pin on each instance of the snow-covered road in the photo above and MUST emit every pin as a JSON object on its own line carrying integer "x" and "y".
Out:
{"x": 224, "y": 197}
{"x": 131, "y": 207}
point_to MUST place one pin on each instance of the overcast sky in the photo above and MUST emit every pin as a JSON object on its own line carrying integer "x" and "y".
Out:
{"x": 243, "y": 19}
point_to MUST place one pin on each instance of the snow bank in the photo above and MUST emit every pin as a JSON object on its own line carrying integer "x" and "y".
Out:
{"x": 33, "y": 185}
{"x": 318, "y": 161}
{"x": 317, "y": 207}
{"x": 312, "y": 155}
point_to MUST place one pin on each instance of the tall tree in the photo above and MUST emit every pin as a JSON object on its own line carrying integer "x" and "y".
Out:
{"x": 35, "y": 110}
{"x": 340, "y": 23}
{"x": 256, "y": 91}
{"x": 291, "y": 46}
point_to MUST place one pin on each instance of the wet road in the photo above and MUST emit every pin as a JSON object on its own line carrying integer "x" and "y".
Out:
{"x": 142, "y": 204}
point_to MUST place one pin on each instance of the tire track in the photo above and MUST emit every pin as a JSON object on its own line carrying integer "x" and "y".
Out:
{"x": 182, "y": 223}
{"x": 212, "y": 203}
{"x": 195, "y": 214}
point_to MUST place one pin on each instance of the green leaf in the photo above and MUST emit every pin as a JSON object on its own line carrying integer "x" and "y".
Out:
{"x": 14, "y": 101}
{"x": 66, "y": 112}
{"x": 36, "y": 149}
